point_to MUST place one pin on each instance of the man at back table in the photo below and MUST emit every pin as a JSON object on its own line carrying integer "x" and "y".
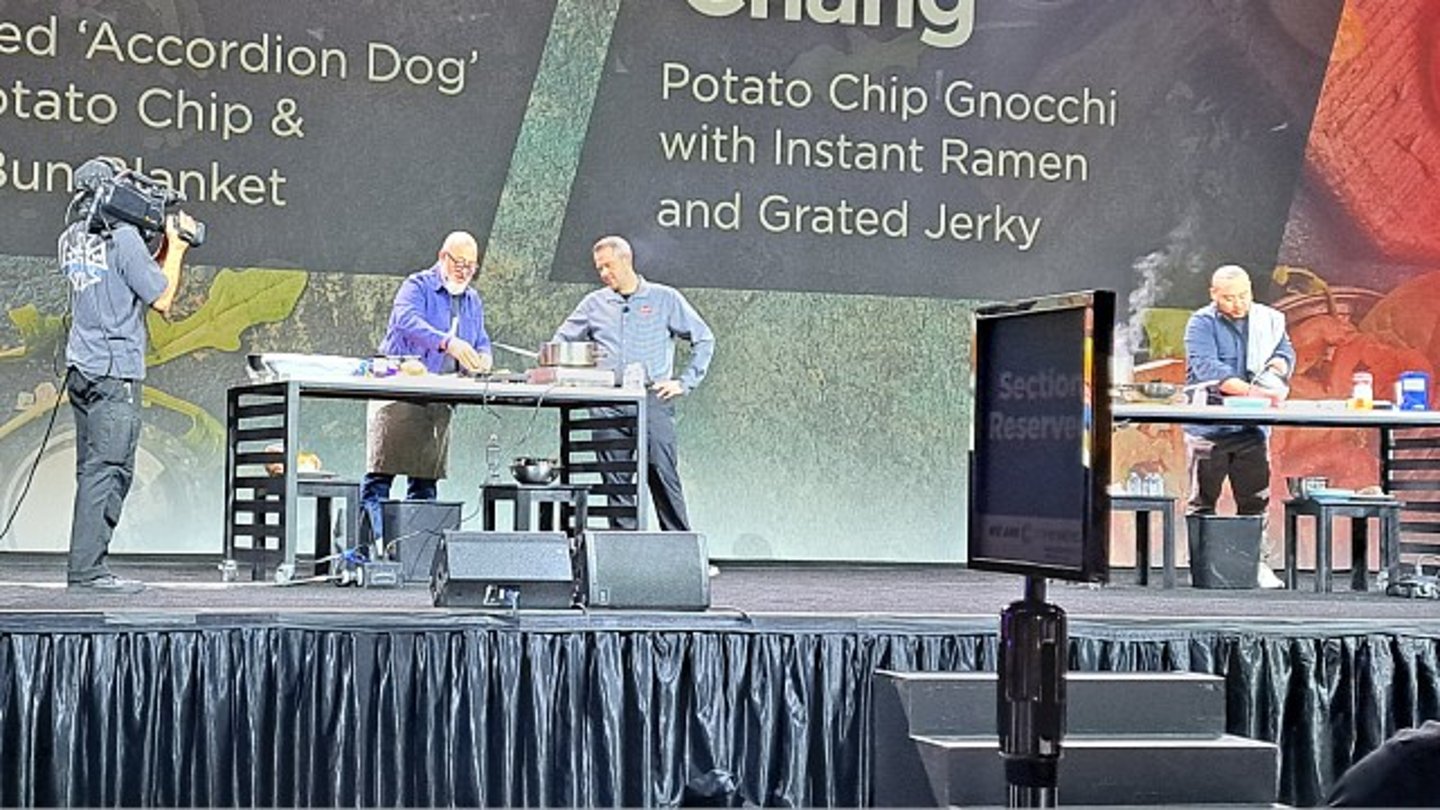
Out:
{"x": 1242, "y": 348}
{"x": 636, "y": 321}
{"x": 438, "y": 317}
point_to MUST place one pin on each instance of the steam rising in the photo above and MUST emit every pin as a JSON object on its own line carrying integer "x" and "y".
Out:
{"x": 1152, "y": 271}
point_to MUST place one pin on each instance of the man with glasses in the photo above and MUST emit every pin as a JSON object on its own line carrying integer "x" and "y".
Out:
{"x": 439, "y": 318}
{"x": 1238, "y": 346}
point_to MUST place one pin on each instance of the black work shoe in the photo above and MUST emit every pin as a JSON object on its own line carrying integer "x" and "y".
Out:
{"x": 109, "y": 583}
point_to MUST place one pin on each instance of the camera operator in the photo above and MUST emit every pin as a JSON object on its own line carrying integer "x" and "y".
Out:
{"x": 113, "y": 279}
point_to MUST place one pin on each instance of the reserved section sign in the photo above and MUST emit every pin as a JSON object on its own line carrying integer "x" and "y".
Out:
{"x": 1040, "y": 439}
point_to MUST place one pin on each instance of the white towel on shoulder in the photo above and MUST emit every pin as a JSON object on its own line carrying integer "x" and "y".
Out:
{"x": 1267, "y": 329}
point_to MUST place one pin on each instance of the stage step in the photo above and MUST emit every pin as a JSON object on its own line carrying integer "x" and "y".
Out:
{"x": 1115, "y": 770}
{"x": 1133, "y": 704}
{"x": 1131, "y": 738}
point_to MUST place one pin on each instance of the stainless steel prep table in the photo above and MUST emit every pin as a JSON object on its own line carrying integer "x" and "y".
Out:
{"x": 260, "y": 506}
{"x": 1406, "y": 468}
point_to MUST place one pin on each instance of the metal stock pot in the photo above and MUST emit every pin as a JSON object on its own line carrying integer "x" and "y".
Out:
{"x": 577, "y": 354}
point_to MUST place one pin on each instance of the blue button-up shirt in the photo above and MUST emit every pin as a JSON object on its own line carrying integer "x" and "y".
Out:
{"x": 641, "y": 329}
{"x": 420, "y": 320}
{"x": 1215, "y": 351}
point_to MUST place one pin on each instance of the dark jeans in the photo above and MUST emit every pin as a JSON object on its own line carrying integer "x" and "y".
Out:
{"x": 107, "y": 432}
{"x": 1243, "y": 458}
{"x": 376, "y": 487}
{"x": 662, "y": 474}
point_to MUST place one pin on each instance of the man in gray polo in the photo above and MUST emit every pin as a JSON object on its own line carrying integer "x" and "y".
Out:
{"x": 637, "y": 321}
{"x": 114, "y": 280}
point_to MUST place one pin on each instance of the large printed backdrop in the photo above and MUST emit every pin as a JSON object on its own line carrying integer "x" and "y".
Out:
{"x": 324, "y": 135}
{"x": 1044, "y": 152}
{"x": 1356, "y": 272}
{"x": 1130, "y": 145}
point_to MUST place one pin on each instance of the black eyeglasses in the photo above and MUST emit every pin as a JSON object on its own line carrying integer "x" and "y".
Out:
{"x": 468, "y": 267}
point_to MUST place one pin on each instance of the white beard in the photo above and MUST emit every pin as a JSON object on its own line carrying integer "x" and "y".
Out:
{"x": 454, "y": 287}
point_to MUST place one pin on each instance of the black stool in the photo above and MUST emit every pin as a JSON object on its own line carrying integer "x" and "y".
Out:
{"x": 1142, "y": 506}
{"x": 324, "y": 491}
{"x": 547, "y": 496}
{"x": 1359, "y": 510}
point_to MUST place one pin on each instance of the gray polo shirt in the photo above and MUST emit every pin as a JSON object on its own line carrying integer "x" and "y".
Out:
{"x": 641, "y": 329}
{"x": 113, "y": 281}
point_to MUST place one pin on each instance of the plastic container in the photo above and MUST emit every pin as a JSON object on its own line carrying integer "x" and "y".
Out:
{"x": 1247, "y": 403}
{"x": 1154, "y": 484}
{"x": 1412, "y": 391}
{"x": 381, "y": 366}
{"x": 634, "y": 376}
{"x": 1362, "y": 391}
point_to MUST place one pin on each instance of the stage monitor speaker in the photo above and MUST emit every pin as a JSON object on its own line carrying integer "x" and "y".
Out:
{"x": 503, "y": 570}
{"x": 412, "y": 531}
{"x": 654, "y": 570}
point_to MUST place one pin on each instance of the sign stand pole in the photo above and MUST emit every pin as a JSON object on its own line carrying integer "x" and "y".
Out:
{"x": 1033, "y": 652}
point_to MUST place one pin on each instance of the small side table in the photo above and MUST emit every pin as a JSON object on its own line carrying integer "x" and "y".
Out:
{"x": 1359, "y": 509}
{"x": 325, "y": 491}
{"x": 571, "y": 498}
{"x": 1142, "y": 506}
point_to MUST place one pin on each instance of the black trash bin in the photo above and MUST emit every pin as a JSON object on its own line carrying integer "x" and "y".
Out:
{"x": 412, "y": 531}
{"x": 1224, "y": 551}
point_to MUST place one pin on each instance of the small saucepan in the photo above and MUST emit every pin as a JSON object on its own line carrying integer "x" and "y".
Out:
{"x": 529, "y": 470}
{"x": 576, "y": 353}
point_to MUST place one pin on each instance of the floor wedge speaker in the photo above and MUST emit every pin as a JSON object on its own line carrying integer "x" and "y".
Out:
{"x": 503, "y": 570}
{"x": 654, "y": 570}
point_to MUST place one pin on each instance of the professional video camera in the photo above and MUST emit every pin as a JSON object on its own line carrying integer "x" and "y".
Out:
{"x": 107, "y": 193}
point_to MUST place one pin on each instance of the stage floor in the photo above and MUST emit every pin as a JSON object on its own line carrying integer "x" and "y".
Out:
{"x": 783, "y": 665}
{"x": 739, "y": 590}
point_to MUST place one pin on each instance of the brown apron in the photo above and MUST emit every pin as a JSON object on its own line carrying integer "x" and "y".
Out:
{"x": 404, "y": 438}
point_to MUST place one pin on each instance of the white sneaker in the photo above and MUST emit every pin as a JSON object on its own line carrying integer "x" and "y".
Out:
{"x": 1266, "y": 578}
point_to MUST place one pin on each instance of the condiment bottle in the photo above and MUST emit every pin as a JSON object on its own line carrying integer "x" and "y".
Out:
{"x": 1362, "y": 392}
